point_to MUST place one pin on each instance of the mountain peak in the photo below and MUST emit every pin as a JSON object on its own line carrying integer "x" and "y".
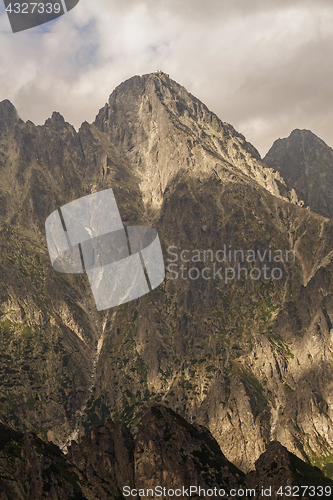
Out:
{"x": 306, "y": 162}
{"x": 301, "y": 132}
{"x": 56, "y": 118}
{"x": 8, "y": 115}
{"x": 306, "y": 136}
{"x": 165, "y": 131}
{"x": 57, "y": 122}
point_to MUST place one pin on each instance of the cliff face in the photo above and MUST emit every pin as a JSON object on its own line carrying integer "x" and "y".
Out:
{"x": 306, "y": 164}
{"x": 31, "y": 468}
{"x": 167, "y": 453}
{"x": 48, "y": 322}
{"x": 248, "y": 357}
{"x": 280, "y": 474}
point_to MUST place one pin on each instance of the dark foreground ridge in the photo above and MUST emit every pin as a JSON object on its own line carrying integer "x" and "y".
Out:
{"x": 167, "y": 452}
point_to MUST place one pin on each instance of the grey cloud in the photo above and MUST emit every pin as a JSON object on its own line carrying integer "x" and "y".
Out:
{"x": 264, "y": 66}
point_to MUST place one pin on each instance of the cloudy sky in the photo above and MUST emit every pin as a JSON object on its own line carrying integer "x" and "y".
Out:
{"x": 265, "y": 66}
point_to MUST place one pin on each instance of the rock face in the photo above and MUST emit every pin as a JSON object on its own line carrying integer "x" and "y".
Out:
{"x": 167, "y": 453}
{"x": 171, "y": 452}
{"x": 240, "y": 343}
{"x": 106, "y": 458}
{"x": 31, "y": 468}
{"x": 306, "y": 164}
{"x": 165, "y": 132}
{"x": 282, "y": 474}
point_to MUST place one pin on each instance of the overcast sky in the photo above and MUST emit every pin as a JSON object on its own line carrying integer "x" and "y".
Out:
{"x": 265, "y": 66}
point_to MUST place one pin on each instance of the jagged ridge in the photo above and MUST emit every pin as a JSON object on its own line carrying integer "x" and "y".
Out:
{"x": 167, "y": 452}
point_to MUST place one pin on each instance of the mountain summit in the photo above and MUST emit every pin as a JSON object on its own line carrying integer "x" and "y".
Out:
{"x": 306, "y": 164}
{"x": 8, "y": 115}
{"x": 165, "y": 131}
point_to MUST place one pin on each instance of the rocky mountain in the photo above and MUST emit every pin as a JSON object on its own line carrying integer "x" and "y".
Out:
{"x": 306, "y": 164}
{"x": 167, "y": 454}
{"x": 238, "y": 342}
{"x": 166, "y": 132}
{"x": 280, "y": 474}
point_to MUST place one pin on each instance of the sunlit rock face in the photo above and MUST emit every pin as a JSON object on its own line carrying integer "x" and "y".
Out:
{"x": 165, "y": 131}
{"x": 247, "y": 355}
